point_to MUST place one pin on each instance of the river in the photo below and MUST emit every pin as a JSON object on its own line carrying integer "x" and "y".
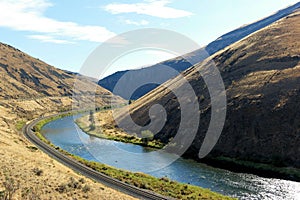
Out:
{"x": 65, "y": 134}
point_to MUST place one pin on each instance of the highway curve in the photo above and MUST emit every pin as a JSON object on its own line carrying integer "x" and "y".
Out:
{"x": 75, "y": 165}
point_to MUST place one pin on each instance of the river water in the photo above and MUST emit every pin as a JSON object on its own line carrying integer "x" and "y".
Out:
{"x": 65, "y": 134}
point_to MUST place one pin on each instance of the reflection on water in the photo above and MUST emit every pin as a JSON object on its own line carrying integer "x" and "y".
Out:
{"x": 65, "y": 134}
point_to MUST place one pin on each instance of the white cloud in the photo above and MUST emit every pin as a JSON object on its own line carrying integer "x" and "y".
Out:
{"x": 47, "y": 38}
{"x": 155, "y": 8}
{"x": 28, "y": 15}
{"x": 137, "y": 23}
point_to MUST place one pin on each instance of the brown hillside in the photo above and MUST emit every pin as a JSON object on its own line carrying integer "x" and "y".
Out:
{"x": 23, "y": 76}
{"x": 30, "y": 88}
{"x": 261, "y": 74}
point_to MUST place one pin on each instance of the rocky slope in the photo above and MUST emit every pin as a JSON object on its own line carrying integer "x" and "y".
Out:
{"x": 180, "y": 63}
{"x": 261, "y": 74}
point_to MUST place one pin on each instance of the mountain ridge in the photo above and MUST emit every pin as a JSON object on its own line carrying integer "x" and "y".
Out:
{"x": 180, "y": 63}
{"x": 34, "y": 74}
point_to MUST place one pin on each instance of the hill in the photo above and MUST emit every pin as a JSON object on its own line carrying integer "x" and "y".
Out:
{"x": 29, "y": 89}
{"x": 28, "y": 85}
{"x": 180, "y": 64}
{"x": 24, "y": 76}
{"x": 261, "y": 74}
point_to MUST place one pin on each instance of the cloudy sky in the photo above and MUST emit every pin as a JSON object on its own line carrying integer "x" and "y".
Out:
{"x": 64, "y": 33}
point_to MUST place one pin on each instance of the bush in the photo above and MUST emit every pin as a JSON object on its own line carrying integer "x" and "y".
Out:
{"x": 73, "y": 183}
{"x": 37, "y": 171}
{"x": 62, "y": 188}
{"x": 82, "y": 180}
{"x": 147, "y": 136}
{"x": 86, "y": 189}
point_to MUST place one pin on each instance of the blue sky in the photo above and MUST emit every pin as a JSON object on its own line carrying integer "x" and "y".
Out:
{"x": 64, "y": 32}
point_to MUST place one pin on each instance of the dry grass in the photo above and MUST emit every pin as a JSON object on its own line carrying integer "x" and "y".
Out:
{"x": 35, "y": 175}
{"x": 25, "y": 86}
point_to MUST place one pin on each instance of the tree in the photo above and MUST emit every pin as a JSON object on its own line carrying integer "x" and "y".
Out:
{"x": 147, "y": 136}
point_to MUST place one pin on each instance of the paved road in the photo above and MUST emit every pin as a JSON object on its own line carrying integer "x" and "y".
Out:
{"x": 75, "y": 165}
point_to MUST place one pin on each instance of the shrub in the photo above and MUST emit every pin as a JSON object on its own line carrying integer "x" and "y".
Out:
{"x": 147, "y": 136}
{"x": 73, "y": 183}
{"x": 82, "y": 180}
{"x": 37, "y": 171}
{"x": 62, "y": 188}
{"x": 86, "y": 188}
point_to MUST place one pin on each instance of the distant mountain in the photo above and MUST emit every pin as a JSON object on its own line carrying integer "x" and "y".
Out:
{"x": 23, "y": 76}
{"x": 261, "y": 74}
{"x": 180, "y": 64}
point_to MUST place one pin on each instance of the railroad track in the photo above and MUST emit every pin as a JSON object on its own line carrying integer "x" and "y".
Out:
{"x": 84, "y": 170}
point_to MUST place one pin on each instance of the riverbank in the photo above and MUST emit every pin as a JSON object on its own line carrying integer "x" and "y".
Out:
{"x": 260, "y": 169}
{"x": 105, "y": 128}
{"x": 161, "y": 186}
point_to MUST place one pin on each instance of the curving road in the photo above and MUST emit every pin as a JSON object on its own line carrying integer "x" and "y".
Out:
{"x": 75, "y": 165}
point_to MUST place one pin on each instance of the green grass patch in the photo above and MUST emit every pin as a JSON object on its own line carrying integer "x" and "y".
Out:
{"x": 163, "y": 186}
{"x": 19, "y": 125}
{"x": 39, "y": 126}
{"x": 32, "y": 148}
{"x": 120, "y": 138}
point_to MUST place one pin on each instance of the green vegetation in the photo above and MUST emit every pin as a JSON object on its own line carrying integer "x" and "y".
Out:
{"x": 147, "y": 136}
{"x": 38, "y": 127}
{"x": 163, "y": 186}
{"x": 122, "y": 138}
{"x": 126, "y": 138}
{"x": 19, "y": 125}
{"x": 32, "y": 148}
